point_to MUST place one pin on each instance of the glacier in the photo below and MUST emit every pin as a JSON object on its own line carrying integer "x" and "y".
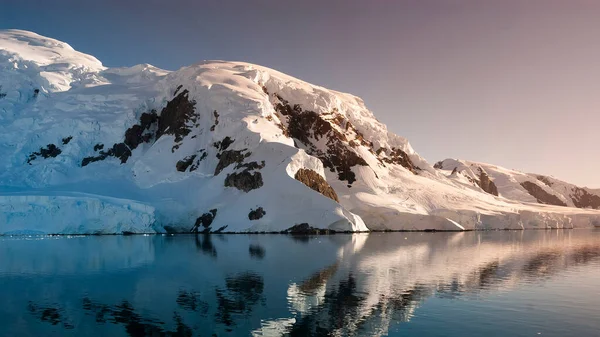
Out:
{"x": 230, "y": 147}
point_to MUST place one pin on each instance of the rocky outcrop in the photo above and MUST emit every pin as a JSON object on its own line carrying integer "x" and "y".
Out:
{"x": 486, "y": 183}
{"x": 141, "y": 133}
{"x": 66, "y": 140}
{"x": 205, "y": 220}
{"x": 256, "y": 214}
{"x": 306, "y": 229}
{"x": 230, "y": 157}
{"x": 399, "y": 157}
{"x": 119, "y": 150}
{"x": 186, "y": 162}
{"x": 545, "y": 180}
{"x": 308, "y": 128}
{"x": 50, "y": 151}
{"x": 216, "y": 115}
{"x": 176, "y": 117}
{"x": 583, "y": 199}
{"x": 317, "y": 183}
{"x": 244, "y": 181}
{"x": 542, "y": 196}
{"x": 174, "y": 120}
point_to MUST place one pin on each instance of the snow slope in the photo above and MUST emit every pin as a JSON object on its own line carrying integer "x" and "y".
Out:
{"x": 216, "y": 146}
{"x": 520, "y": 186}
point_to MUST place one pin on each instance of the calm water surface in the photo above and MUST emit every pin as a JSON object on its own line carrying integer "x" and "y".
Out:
{"x": 522, "y": 283}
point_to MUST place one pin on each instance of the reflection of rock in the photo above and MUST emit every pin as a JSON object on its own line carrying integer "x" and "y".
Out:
{"x": 240, "y": 294}
{"x": 256, "y": 252}
{"x": 191, "y": 301}
{"x": 395, "y": 280}
{"x": 135, "y": 324}
{"x": 50, "y": 314}
{"x": 205, "y": 245}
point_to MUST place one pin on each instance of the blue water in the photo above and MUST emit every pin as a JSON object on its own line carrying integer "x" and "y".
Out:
{"x": 517, "y": 283}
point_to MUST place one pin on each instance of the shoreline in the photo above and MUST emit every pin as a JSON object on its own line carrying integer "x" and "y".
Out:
{"x": 317, "y": 232}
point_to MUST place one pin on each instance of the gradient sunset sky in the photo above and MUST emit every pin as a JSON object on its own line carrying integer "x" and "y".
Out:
{"x": 509, "y": 82}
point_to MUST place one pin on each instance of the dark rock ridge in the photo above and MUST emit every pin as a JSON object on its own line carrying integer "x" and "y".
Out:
{"x": 317, "y": 183}
{"x": 545, "y": 180}
{"x": 66, "y": 140}
{"x": 216, "y": 114}
{"x": 256, "y": 214}
{"x": 176, "y": 119}
{"x": 230, "y": 157}
{"x": 399, "y": 157}
{"x": 306, "y": 229}
{"x": 183, "y": 164}
{"x": 583, "y": 199}
{"x": 308, "y": 127}
{"x": 486, "y": 183}
{"x": 192, "y": 162}
{"x": 119, "y": 150}
{"x": 223, "y": 145}
{"x": 244, "y": 181}
{"x": 542, "y": 196}
{"x": 141, "y": 133}
{"x": 50, "y": 151}
{"x": 205, "y": 220}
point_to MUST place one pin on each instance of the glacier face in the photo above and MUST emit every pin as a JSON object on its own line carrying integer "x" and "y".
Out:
{"x": 218, "y": 146}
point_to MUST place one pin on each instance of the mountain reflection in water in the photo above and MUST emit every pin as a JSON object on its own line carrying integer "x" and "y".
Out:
{"x": 275, "y": 285}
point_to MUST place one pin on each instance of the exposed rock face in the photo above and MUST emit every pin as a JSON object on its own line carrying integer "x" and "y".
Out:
{"x": 305, "y": 228}
{"x": 542, "y": 196}
{"x": 230, "y": 157}
{"x": 583, "y": 199}
{"x": 141, "y": 133}
{"x": 66, "y": 140}
{"x": 486, "y": 184}
{"x": 50, "y": 151}
{"x": 308, "y": 127}
{"x": 545, "y": 180}
{"x": 256, "y": 214}
{"x": 216, "y": 115}
{"x": 205, "y": 220}
{"x": 244, "y": 181}
{"x": 399, "y": 157}
{"x": 183, "y": 164}
{"x": 223, "y": 144}
{"x": 174, "y": 120}
{"x": 314, "y": 180}
{"x": 176, "y": 116}
{"x": 119, "y": 150}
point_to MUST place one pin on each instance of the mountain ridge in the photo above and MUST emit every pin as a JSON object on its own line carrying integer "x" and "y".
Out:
{"x": 223, "y": 147}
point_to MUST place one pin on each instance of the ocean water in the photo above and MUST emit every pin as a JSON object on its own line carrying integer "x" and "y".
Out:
{"x": 501, "y": 283}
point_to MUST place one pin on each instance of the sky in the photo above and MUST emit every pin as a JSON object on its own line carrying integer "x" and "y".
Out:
{"x": 509, "y": 82}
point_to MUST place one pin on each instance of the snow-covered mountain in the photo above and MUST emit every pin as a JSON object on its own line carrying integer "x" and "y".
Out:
{"x": 515, "y": 185}
{"x": 225, "y": 146}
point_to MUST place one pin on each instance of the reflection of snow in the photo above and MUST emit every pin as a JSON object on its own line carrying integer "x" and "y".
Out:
{"x": 75, "y": 255}
{"x": 274, "y": 328}
{"x": 303, "y": 302}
